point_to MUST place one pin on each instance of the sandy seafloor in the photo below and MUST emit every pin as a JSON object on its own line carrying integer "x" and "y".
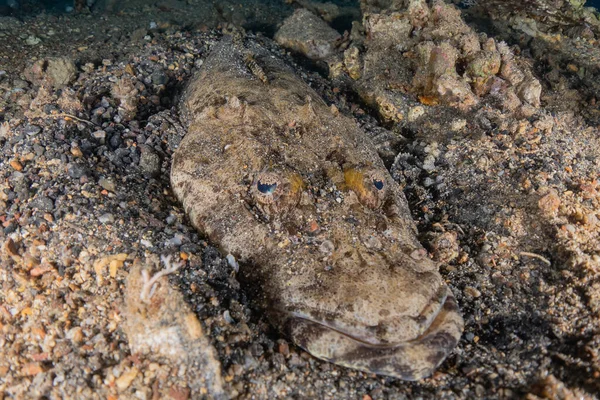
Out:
{"x": 84, "y": 196}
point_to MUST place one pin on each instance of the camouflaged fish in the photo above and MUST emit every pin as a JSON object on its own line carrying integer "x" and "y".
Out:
{"x": 295, "y": 190}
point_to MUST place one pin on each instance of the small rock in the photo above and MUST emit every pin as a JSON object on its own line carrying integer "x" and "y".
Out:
{"x": 232, "y": 262}
{"x": 352, "y": 62}
{"x": 20, "y": 84}
{"x": 43, "y": 203}
{"x": 115, "y": 140}
{"x": 107, "y": 184}
{"x": 11, "y": 247}
{"x": 76, "y": 171}
{"x": 471, "y": 291}
{"x": 530, "y": 91}
{"x": 429, "y": 163}
{"x": 125, "y": 380}
{"x": 61, "y": 71}
{"x": 327, "y": 247}
{"x": 106, "y": 218}
{"x": 138, "y": 34}
{"x": 549, "y": 203}
{"x": 16, "y": 165}
{"x": 32, "y": 369}
{"x": 124, "y": 90}
{"x": 100, "y": 136}
{"x": 32, "y": 130}
{"x": 159, "y": 77}
{"x": 150, "y": 162}
{"x": 75, "y": 335}
{"x": 76, "y": 151}
{"x": 4, "y": 130}
{"x": 32, "y": 40}
{"x": 175, "y": 241}
{"x": 163, "y": 326}
{"x": 458, "y": 125}
{"x": 227, "y": 317}
{"x": 283, "y": 347}
{"x": 373, "y": 243}
{"x": 307, "y": 34}
{"x": 445, "y": 247}
{"x": 415, "y": 112}
{"x": 56, "y": 72}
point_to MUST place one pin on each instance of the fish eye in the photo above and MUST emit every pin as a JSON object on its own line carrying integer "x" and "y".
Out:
{"x": 378, "y": 183}
{"x": 369, "y": 185}
{"x": 277, "y": 191}
{"x": 266, "y": 188}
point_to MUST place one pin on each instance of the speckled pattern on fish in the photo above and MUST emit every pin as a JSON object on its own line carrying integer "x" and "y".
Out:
{"x": 295, "y": 191}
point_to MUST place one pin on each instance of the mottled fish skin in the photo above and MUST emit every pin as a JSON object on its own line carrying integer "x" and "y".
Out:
{"x": 295, "y": 191}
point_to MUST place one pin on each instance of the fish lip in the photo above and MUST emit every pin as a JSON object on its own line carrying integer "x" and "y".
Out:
{"x": 409, "y": 360}
{"x": 375, "y": 343}
{"x": 438, "y": 300}
{"x": 358, "y": 340}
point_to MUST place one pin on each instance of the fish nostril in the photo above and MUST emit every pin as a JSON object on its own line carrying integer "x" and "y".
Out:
{"x": 378, "y": 184}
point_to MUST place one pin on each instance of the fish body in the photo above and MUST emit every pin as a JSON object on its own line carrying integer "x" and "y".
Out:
{"x": 296, "y": 192}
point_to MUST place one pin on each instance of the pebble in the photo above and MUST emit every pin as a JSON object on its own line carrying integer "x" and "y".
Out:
{"x": 38, "y": 149}
{"x": 471, "y": 291}
{"x": 159, "y": 78}
{"x": 415, "y": 112}
{"x": 20, "y": 84}
{"x": 107, "y": 184}
{"x": 32, "y": 40}
{"x": 458, "y": 125}
{"x": 283, "y": 347}
{"x": 61, "y": 71}
{"x": 100, "y": 136}
{"x": 232, "y": 262}
{"x": 150, "y": 162}
{"x": 106, "y": 218}
{"x": 76, "y": 171}
{"x": 175, "y": 241}
{"x": 115, "y": 141}
{"x": 43, "y": 203}
{"x": 428, "y": 182}
{"x": 373, "y": 243}
{"x": 11, "y": 247}
{"x": 327, "y": 247}
{"x": 549, "y": 203}
{"x": 227, "y": 317}
{"x": 125, "y": 380}
{"x": 16, "y": 165}
{"x": 429, "y": 163}
{"x": 32, "y": 130}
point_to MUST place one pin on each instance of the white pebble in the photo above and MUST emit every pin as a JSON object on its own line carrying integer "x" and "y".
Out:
{"x": 232, "y": 262}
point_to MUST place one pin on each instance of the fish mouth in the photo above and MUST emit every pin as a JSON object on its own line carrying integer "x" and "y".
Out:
{"x": 410, "y": 360}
